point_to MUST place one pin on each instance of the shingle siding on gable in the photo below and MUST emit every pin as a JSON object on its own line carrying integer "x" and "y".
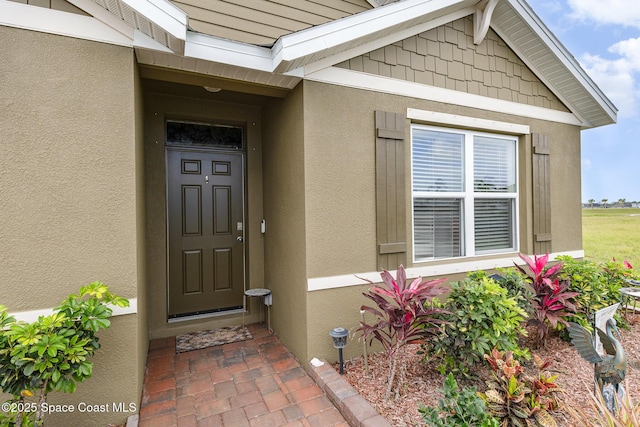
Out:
{"x": 446, "y": 57}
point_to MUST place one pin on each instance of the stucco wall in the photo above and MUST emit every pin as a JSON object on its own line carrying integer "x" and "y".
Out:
{"x": 159, "y": 107}
{"x": 141, "y": 238}
{"x": 340, "y": 180}
{"x": 286, "y": 256}
{"x": 68, "y": 189}
{"x": 339, "y": 173}
{"x": 340, "y": 193}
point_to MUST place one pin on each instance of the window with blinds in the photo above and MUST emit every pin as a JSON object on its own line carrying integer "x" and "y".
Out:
{"x": 464, "y": 187}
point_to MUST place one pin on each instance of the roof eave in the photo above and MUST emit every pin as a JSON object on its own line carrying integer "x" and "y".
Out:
{"x": 168, "y": 26}
{"x": 158, "y": 20}
{"x": 298, "y": 49}
{"x": 573, "y": 70}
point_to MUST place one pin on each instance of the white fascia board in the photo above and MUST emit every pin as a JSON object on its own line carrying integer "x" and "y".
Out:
{"x": 224, "y": 51}
{"x": 143, "y": 41}
{"x": 385, "y": 41}
{"x": 359, "y": 80}
{"x": 529, "y": 16}
{"x": 321, "y": 37}
{"x": 430, "y": 269}
{"x": 164, "y": 14}
{"x": 52, "y": 21}
{"x": 104, "y": 16}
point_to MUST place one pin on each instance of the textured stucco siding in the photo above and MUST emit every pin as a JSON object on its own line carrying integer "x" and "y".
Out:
{"x": 68, "y": 185}
{"x": 285, "y": 192}
{"x": 340, "y": 176}
{"x": 340, "y": 227}
{"x": 141, "y": 238}
{"x": 446, "y": 57}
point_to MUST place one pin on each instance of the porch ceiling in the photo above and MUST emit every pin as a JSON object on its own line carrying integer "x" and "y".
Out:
{"x": 201, "y": 80}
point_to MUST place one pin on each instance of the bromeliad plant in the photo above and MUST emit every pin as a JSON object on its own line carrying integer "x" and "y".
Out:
{"x": 52, "y": 353}
{"x": 403, "y": 313}
{"x": 517, "y": 399}
{"x": 553, "y": 302}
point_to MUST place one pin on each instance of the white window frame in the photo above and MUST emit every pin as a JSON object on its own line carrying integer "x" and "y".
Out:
{"x": 468, "y": 195}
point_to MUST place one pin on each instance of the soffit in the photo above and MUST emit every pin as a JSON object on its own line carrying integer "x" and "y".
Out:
{"x": 545, "y": 55}
{"x": 216, "y": 69}
{"x": 262, "y": 22}
{"x": 156, "y": 21}
{"x": 377, "y": 3}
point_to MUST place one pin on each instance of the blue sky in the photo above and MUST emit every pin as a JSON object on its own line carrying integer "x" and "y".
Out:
{"x": 604, "y": 36}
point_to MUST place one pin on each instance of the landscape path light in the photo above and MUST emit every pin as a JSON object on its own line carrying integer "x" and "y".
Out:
{"x": 339, "y": 337}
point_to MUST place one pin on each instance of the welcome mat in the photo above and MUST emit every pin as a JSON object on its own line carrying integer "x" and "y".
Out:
{"x": 211, "y": 338}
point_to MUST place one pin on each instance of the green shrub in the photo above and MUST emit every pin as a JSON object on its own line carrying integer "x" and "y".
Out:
{"x": 459, "y": 408}
{"x": 481, "y": 317}
{"x": 515, "y": 284}
{"x": 517, "y": 288}
{"x": 52, "y": 353}
{"x": 598, "y": 286}
{"x": 617, "y": 272}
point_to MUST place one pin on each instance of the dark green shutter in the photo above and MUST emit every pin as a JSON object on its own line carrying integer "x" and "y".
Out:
{"x": 541, "y": 193}
{"x": 390, "y": 190}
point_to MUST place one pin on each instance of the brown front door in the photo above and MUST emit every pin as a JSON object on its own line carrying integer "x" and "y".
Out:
{"x": 206, "y": 222}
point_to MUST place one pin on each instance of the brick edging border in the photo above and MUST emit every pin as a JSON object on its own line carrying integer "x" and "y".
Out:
{"x": 353, "y": 407}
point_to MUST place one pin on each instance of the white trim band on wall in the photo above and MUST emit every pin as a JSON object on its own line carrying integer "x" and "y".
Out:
{"x": 425, "y": 271}
{"x": 32, "y": 315}
{"x": 467, "y": 122}
{"x": 361, "y": 80}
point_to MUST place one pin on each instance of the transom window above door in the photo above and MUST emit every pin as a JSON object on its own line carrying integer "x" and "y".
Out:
{"x": 464, "y": 192}
{"x": 190, "y": 134}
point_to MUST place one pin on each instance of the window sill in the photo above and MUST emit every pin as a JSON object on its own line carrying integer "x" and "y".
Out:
{"x": 427, "y": 269}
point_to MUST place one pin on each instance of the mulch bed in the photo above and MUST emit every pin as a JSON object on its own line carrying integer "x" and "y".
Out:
{"x": 423, "y": 380}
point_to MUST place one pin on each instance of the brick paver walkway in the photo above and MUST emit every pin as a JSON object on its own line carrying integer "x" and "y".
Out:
{"x": 251, "y": 383}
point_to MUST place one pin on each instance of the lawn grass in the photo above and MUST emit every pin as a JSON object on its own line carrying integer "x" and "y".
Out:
{"x": 612, "y": 232}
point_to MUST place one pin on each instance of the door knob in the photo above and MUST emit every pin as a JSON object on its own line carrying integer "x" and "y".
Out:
{"x": 239, "y": 239}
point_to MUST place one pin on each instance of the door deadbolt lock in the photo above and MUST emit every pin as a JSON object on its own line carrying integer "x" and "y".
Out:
{"x": 239, "y": 239}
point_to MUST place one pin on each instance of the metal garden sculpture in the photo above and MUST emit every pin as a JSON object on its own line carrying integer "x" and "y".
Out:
{"x": 610, "y": 368}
